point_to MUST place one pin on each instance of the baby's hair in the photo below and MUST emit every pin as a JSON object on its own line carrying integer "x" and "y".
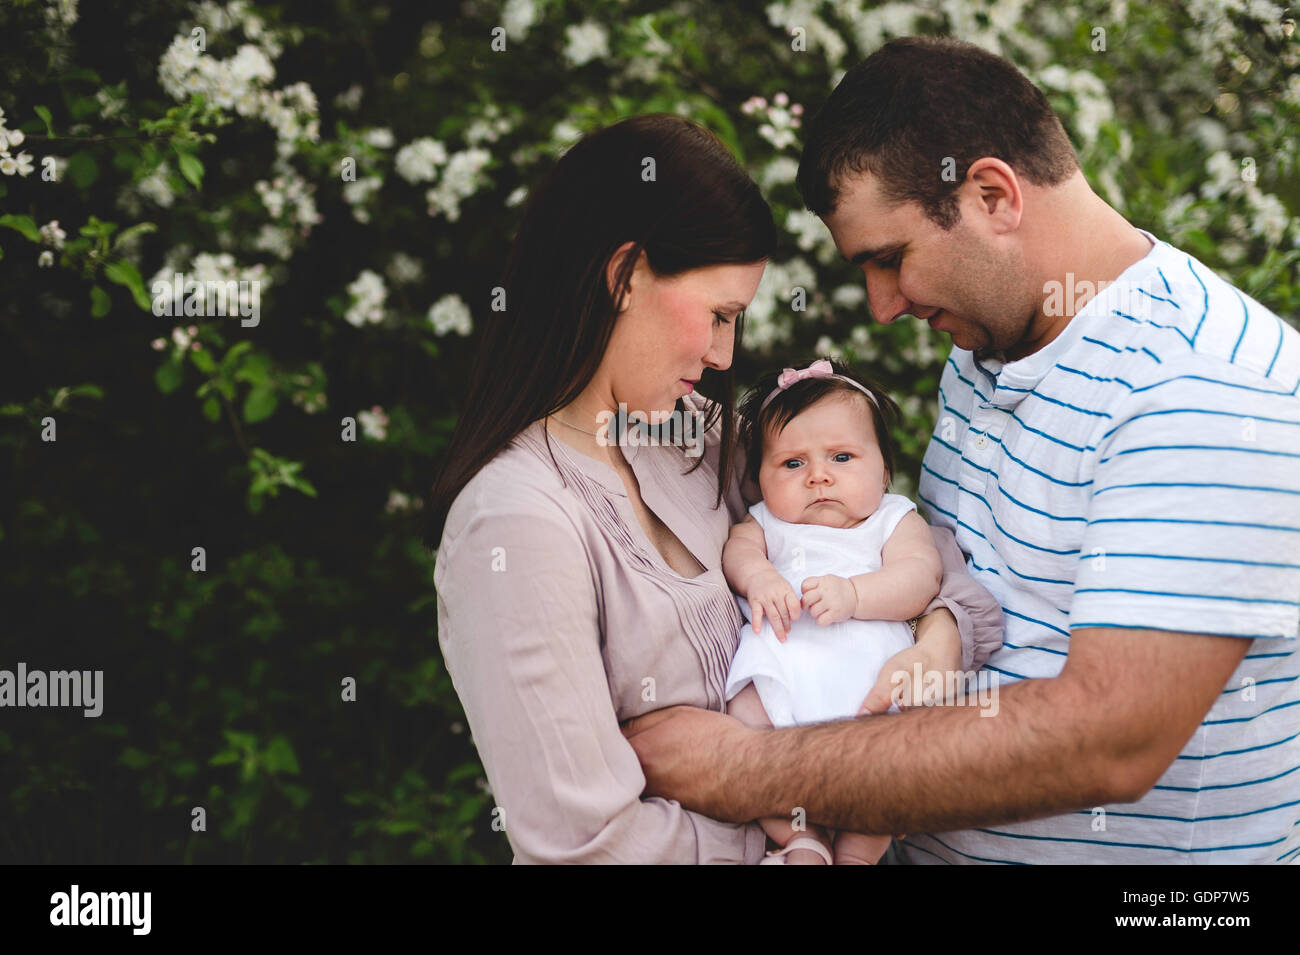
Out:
{"x": 755, "y": 424}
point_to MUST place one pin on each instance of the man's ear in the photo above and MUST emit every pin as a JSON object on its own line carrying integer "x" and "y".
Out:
{"x": 992, "y": 190}
{"x": 611, "y": 273}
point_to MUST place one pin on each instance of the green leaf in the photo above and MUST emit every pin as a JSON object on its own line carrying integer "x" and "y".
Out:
{"x": 44, "y": 114}
{"x": 82, "y": 169}
{"x": 260, "y": 403}
{"x": 202, "y": 360}
{"x": 124, "y": 273}
{"x": 168, "y": 376}
{"x": 191, "y": 169}
{"x": 141, "y": 228}
{"x": 212, "y": 410}
{"x": 279, "y": 757}
{"x": 99, "y": 302}
{"x": 23, "y": 224}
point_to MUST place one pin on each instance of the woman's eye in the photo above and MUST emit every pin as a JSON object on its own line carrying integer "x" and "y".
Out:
{"x": 724, "y": 321}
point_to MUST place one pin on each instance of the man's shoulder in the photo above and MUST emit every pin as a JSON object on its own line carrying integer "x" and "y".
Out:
{"x": 1177, "y": 311}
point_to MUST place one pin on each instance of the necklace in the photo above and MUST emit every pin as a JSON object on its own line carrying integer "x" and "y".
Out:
{"x": 594, "y": 434}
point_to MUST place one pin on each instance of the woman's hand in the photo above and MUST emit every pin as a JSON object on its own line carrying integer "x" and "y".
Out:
{"x": 770, "y": 593}
{"x": 937, "y": 650}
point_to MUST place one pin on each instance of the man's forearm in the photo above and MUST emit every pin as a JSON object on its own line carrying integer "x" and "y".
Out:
{"x": 929, "y": 769}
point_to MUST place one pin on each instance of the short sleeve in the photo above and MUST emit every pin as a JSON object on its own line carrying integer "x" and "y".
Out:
{"x": 519, "y": 629}
{"x": 1194, "y": 520}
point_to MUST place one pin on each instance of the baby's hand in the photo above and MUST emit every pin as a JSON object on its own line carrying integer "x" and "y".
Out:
{"x": 830, "y": 599}
{"x": 770, "y": 593}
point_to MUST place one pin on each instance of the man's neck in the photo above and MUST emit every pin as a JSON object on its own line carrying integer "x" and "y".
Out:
{"x": 1095, "y": 248}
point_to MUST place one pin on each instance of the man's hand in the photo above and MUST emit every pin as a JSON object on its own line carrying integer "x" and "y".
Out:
{"x": 829, "y": 598}
{"x": 682, "y": 751}
{"x": 937, "y": 648}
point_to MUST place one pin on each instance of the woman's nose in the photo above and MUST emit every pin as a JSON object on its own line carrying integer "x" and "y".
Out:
{"x": 718, "y": 356}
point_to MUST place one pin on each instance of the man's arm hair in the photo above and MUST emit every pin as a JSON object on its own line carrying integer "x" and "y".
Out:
{"x": 1103, "y": 731}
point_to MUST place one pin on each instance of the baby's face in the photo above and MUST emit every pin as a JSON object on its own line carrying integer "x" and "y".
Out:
{"x": 825, "y": 467}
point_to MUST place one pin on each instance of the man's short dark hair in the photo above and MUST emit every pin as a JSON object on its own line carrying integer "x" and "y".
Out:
{"x": 922, "y": 106}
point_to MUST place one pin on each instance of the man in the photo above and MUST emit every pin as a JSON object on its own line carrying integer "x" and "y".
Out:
{"x": 1118, "y": 454}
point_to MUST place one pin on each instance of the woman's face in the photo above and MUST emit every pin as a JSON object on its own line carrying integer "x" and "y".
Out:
{"x": 671, "y": 329}
{"x": 825, "y": 467}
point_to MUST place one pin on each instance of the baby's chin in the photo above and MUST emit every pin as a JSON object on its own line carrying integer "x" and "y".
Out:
{"x": 832, "y": 514}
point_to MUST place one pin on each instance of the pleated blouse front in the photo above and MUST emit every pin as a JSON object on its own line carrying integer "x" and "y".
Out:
{"x": 559, "y": 619}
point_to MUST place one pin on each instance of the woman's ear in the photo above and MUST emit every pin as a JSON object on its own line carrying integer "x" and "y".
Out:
{"x": 611, "y": 274}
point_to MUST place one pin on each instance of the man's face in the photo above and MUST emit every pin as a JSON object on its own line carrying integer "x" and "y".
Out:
{"x": 968, "y": 282}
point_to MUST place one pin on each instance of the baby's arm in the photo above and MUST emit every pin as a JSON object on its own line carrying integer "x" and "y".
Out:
{"x": 909, "y": 578}
{"x": 751, "y": 574}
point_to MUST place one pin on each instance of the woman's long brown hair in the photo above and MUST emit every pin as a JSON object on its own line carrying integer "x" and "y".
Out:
{"x": 701, "y": 208}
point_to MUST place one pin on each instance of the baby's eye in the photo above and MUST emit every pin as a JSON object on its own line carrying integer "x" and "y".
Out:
{"x": 843, "y": 454}
{"x": 790, "y": 461}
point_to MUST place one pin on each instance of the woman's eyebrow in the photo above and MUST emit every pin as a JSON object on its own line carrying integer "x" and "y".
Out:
{"x": 739, "y": 306}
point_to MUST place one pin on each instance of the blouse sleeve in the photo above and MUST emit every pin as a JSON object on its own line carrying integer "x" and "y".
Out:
{"x": 979, "y": 618}
{"x": 520, "y": 634}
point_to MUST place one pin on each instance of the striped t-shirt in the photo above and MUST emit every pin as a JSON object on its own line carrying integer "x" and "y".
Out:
{"x": 1141, "y": 470}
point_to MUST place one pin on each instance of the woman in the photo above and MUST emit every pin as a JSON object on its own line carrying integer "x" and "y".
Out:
{"x": 579, "y": 581}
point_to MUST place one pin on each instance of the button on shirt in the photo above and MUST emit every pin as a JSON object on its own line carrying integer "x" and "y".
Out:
{"x": 1141, "y": 470}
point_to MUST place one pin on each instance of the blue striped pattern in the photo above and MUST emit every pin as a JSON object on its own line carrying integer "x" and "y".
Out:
{"x": 1141, "y": 471}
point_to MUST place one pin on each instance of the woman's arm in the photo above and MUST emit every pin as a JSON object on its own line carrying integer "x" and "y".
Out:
{"x": 977, "y": 615}
{"x": 519, "y": 630}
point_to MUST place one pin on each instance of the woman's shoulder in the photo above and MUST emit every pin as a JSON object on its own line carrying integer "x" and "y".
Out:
{"x": 519, "y": 483}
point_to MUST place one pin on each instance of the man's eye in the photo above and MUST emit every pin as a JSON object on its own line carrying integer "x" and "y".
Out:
{"x": 892, "y": 262}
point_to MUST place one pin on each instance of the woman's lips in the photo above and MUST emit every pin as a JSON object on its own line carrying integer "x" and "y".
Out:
{"x": 690, "y": 386}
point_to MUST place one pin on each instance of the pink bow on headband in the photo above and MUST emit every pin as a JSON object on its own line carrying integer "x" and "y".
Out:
{"x": 821, "y": 368}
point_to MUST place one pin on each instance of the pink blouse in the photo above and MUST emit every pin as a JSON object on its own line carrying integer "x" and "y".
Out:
{"x": 558, "y": 620}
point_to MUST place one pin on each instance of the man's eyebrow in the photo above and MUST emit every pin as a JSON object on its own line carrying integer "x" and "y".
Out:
{"x": 879, "y": 252}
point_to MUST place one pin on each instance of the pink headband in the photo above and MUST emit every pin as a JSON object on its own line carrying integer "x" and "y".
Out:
{"x": 821, "y": 368}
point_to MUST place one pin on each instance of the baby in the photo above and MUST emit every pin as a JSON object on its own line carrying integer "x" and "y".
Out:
{"x": 827, "y": 538}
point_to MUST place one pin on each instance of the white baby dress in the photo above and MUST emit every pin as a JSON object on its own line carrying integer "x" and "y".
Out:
{"x": 819, "y": 673}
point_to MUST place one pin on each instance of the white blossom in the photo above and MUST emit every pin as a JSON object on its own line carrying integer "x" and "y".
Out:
{"x": 586, "y": 41}
{"x": 518, "y": 17}
{"x": 450, "y": 314}
{"x": 52, "y": 235}
{"x": 368, "y": 293}
{"x": 374, "y": 423}
{"x": 418, "y": 161}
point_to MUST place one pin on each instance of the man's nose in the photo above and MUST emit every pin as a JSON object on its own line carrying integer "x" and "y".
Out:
{"x": 883, "y": 294}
